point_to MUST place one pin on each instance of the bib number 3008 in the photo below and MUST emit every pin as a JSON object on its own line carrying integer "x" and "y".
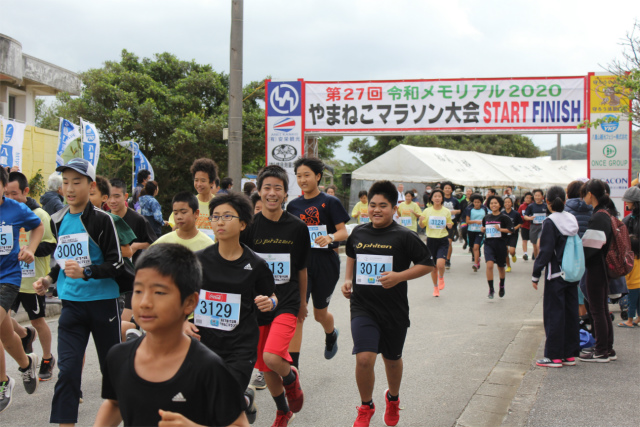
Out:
{"x": 218, "y": 310}
{"x": 369, "y": 268}
{"x": 73, "y": 247}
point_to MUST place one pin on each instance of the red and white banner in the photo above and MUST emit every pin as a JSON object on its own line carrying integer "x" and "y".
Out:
{"x": 507, "y": 105}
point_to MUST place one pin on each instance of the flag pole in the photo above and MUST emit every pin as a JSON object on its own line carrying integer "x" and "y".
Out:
{"x": 133, "y": 168}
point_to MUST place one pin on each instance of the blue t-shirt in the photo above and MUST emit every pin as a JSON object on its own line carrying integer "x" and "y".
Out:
{"x": 538, "y": 211}
{"x": 80, "y": 289}
{"x": 320, "y": 210}
{"x": 15, "y": 215}
{"x": 475, "y": 215}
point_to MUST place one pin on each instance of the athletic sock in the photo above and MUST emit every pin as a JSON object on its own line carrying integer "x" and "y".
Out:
{"x": 281, "y": 403}
{"x": 369, "y": 403}
{"x": 288, "y": 379}
{"x": 332, "y": 337}
{"x": 392, "y": 398}
{"x": 490, "y": 284}
{"x": 27, "y": 368}
{"x": 295, "y": 356}
{"x": 502, "y": 283}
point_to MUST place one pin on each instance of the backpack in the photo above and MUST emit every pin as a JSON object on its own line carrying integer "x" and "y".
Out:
{"x": 573, "y": 260}
{"x": 619, "y": 257}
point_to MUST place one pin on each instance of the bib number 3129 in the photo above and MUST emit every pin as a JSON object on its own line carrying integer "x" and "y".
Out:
{"x": 369, "y": 268}
{"x": 217, "y": 310}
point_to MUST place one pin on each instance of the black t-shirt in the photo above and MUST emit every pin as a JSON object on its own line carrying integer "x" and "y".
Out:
{"x": 203, "y": 390}
{"x": 248, "y": 277}
{"x": 388, "y": 307}
{"x": 501, "y": 220}
{"x": 289, "y": 236}
{"x": 515, "y": 217}
{"x": 141, "y": 228}
{"x": 534, "y": 209}
{"x": 320, "y": 210}
{"x": 452, "y": 203}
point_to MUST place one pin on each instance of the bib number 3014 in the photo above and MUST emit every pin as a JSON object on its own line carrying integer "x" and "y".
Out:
{"x": 217, "y": 310}
{"x": 369, "y": 268}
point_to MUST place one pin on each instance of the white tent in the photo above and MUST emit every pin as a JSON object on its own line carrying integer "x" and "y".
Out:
{"x": 408, "y": 164}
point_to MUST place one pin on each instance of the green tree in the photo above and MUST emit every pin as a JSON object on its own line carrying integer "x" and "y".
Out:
{"x": 627, "y": 71}
{"x": 327, "y": 146}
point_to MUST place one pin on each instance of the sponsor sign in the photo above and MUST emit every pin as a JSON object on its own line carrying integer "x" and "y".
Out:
{"x": 11, "y": 145}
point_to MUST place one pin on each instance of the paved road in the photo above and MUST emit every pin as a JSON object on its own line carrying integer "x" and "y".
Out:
{"x": 454, "y": 358}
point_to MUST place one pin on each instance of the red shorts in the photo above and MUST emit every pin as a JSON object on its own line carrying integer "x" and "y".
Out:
{"x": 275, "y": 339}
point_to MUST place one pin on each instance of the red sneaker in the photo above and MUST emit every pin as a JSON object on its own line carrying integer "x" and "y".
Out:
{"x": 392, "y": 411}
{"x": 295, "y": 395}
{"x": 441, "y": 283}
{"x": 282, "y": 419}
{"x": 364, "y": 416}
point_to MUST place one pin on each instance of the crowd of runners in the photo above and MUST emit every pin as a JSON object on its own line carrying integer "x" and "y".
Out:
{"x": 188, "y": 316}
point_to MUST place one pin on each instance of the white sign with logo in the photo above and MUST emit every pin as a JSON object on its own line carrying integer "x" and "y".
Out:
{"x": 90, "y": 142}
{"x": 609, "y": 143}
{"x": 11, "y": 145}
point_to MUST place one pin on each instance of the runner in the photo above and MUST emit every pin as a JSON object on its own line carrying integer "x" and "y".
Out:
{"x": 35, "y": 305}
{"x": 496, "y": 227}
{"x": 474, "y": 227}
{"x": 236, "y": 283}
{"x": 524, "y": 229}
{"x": 379, "y": 257}
{"x": 516, "y": 222}
{"x": 361, "y": 209}
{"x": 325, "y": 217}
{"x": 437, "y": 219}
{"x": 256, "y": 201}
{"x": 167, "y": 378}
{"x": 283, "y": 241}
{"x": 464, "y": 205}
{"x": 453, "y": 205}
{"x": 409, "y": 212}
{"x": 536, "y": 213}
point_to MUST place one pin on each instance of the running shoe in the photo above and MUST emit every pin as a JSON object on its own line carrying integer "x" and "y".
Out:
{"x": 295, "y": 395}
{"x": 46, "y": 368}
{"x": 133, "y": 334}
{"x": 475, "y": 267}
{"x": 6, "y": 393}
{"x": 594, "y": 357}
{"x": 282, "y": 419}
{"x": 569, "y": 361}
{"x": 330, "y": 350}
{"x": 464, "y": 246}
{"x": 501, "y": 292}
{"x": 27, "y": 342}
{"x": 365, "y": 412}
{"x": 251, "y": 411}
{"x": 392, "y": 411}
{"x": 508, "y": 269}
{"x": 258, "y": 381}
{"x": 549, "y": 363}
{"x": 491, "y": 292}
{"x": 81, "y": 399}
{"x": 514, "y": 258}
{"x": 525, "y": 257}
{"x": 29, "y": 376}
{"x": 447, "y": 264}
{"x": 436, "y": 292}
{"x": 441, "y": 283}
{"x": 613, "y": 355}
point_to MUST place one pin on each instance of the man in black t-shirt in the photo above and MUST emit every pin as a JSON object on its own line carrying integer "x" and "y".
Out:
{"x": 165, "y": 375}
{"x": 451, "y": 203}
{"x": 379, "y": 257}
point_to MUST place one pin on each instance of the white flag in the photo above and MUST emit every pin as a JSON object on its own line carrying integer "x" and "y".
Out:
{"x": 68, "y": 132}
{"x": 11, "y": 147}
{"x": 90, "y": 142}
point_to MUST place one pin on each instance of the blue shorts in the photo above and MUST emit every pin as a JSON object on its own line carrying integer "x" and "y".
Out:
{"x": 438, "y": 247}
{"x": 475, "y": 238}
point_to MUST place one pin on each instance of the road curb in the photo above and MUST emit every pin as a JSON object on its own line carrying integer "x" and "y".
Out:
{"x": 492, "y": 402}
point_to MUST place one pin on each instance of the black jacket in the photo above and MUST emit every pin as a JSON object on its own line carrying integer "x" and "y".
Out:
{"x": 51, "y": 202}
{"x": 553, "y": 238}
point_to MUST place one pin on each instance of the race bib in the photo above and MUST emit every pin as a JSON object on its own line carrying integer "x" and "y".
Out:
{"x": 437, "y": 222}
{"x": 539, "y": 218}
{"x": 406, "y": 221}
{"x": 280, "y": 266}
{"x": 217, "y": 310}
{"x": 364, "y": 220}
{"x": 209, "y": 233}
{"x": 316, "y": 231}
{"x": 491, "y": 231}
{"x": 28, "y": 269}
{"x": 369, "y": 268}
{"x": 474, "y": 227}
{"x": 6, "y": 239}
{"x": 75, "y": 247}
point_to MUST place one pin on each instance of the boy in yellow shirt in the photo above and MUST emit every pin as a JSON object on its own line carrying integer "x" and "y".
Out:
{"x": 361, "y": 209}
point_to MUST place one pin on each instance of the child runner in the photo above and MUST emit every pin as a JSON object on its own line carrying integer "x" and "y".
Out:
{"x": 437, "y": 220}
{"x": 256, "y": 201}
{"x": 186, "y": 214}
{"x": 236, "y": 283}
{"x": 360, "y": 210}
{"x": 536, "y": 213}
{"x": 524, "y": 229}
{"x": 512, "y": 240}
{"x": 560, "y": 302}
{"x": 379, "y": 257}
{"x": 496, "y": 227}
{"x": 13, "y": 217}
{"x": 283, "y": 241}
{"x": 325, "y": 218}
{"x": 88, "y": 261}
{"x": 167, "y": 378}
{"x": 474, "y": 228}
{"x": 409, "y": 212}
{"x": 451, "y": 203}
{"x": 34, "y": 304}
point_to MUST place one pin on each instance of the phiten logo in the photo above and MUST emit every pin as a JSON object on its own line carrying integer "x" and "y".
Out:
{"x": 8, "y": 133}
{"x": 285, "y": 125}
{"x": 89, "y": 133}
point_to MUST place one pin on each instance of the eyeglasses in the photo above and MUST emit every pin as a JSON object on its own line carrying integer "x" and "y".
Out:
{"x": 216, "y": 218}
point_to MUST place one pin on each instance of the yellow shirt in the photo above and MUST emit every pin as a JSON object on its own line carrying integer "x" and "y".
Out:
{"x": 633, "y": 278}
{"x": 42, "y": 264}
{"x": 199, "y": 242}
{"x": 411, "y": 211}
{"x": 202, "y": 222}
{"x": 362, "y": 209}
{"x": 435, "y": 221}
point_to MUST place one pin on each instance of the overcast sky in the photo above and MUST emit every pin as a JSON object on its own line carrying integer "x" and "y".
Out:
{"x": 336, "y": 40}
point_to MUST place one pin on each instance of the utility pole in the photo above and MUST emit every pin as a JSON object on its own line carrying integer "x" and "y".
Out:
{"x": 559, "y": 148}
{"x": 235, "y": 93}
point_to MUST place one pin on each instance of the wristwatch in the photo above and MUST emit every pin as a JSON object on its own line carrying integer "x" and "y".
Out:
{"x": 333, "y": 238}
{"x": 87, "y": 272}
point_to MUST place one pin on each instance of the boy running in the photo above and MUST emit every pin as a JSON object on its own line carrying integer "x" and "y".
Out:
{"x": 453, "y": 205}
{"x": 496, "y": 227}
{"x": 186, "y": 214}
{"x": 379, "y": 256}
{"x": 360, "y": 210}
{"x": 536, "y": 213}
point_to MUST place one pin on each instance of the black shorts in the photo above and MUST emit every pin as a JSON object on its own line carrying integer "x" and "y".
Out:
{"x": 8, "y": 294}
{"x": 452, "y": 231}
{"x": 438, "y": 247}
{"x": 127, "y": 300}
{"x": 496, "y": 250}
{"x": 34, "y": 304}
{"x": 475, "y": 238}
{"x": 241, "y": 366}
{"x": 368, "y": 336}
{"x": 323, "y": 272}
{"x": 512, "y": 240}
{"x": 524, "y": 232}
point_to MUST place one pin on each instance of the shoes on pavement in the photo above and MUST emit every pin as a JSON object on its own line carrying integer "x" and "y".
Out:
{"x": 594, "y": 357}
{"x": 392, "y": 411}
{"x": 295, "y": 395}
{"x": 46, "y": 368}
{"x": 549, "y": 363}
{"x": 29, "y": 375}
{"x": 514, "y": 258}
{"x": 613, "y": 355}
{"x": 501, "y": 292}
{"x": 569, "y": 361}
{"x": 258, "y": 382}
{"x": 282, "y": 419}
{"x": 436, "y": 292}
{"x": 491, "y": 292}
{"x": 447, "y": 264}
{"x": 525, "y": 257}
{"x": 27, "y": 342}
{"x": 6, "y": 393}
{"x": 475, "y": 267}
{"x": 364, "y": 416}
{"x": 330, "y": 349}
{"x": 508, "y": 269}
{"x": 251, "y": 411}
{"x": 440, "y": 283}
